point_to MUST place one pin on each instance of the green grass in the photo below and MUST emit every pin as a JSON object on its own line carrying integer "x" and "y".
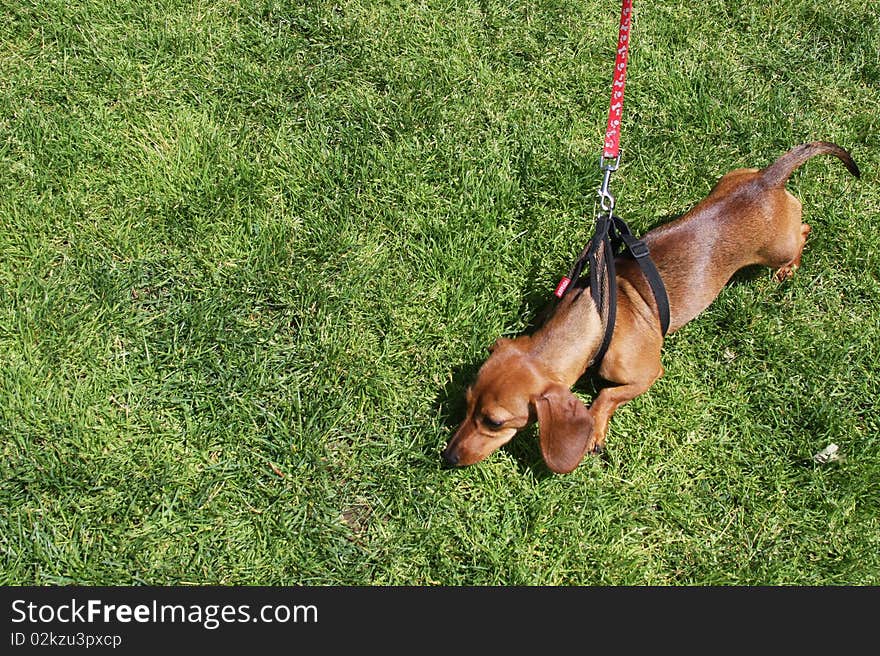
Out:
{"x": 252, "y": 252}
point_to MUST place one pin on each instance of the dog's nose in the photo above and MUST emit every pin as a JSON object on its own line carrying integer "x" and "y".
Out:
{"x": 450, "y": 457}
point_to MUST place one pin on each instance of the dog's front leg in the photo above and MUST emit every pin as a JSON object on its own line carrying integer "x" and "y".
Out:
{"x": 631, "y": 366}
{"x": 606, "y": 404}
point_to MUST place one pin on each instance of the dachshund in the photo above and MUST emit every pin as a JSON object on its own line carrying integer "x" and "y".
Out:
{"x": 748, "y": 218}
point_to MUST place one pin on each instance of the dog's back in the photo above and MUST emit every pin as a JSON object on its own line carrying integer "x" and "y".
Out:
{"x": 748, "y": 218}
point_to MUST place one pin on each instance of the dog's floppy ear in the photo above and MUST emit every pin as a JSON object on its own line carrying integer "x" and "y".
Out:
{"x": 564, "y": 427}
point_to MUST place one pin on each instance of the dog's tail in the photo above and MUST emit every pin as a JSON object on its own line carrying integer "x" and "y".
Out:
{"x": 778, "y": 172}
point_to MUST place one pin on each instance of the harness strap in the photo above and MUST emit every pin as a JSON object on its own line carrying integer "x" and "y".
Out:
{"x": 596, "y": 285}
{"x": 615, "y": 237}
{"x": 639, "y": 250}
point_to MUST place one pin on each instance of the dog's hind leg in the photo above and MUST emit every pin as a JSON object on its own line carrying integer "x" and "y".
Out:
{"x": 787, "y": 270}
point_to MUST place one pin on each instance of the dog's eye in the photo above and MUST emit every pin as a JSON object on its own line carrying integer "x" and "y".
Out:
{"x": 492, "y": 424}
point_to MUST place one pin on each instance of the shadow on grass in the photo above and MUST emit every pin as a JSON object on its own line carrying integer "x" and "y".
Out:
{"x": 747, "y": 275}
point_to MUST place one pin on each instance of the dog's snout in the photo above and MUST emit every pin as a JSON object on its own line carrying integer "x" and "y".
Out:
{"x": 450, "y": 457}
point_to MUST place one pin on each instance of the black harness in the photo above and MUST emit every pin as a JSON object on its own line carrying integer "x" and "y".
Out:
{"x": 611, "y": 239}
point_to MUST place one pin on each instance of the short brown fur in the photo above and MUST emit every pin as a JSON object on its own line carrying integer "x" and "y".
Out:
{"x": 748, "y": 218}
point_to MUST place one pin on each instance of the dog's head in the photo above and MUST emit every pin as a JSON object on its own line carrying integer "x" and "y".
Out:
{"x": 511, "y": 391}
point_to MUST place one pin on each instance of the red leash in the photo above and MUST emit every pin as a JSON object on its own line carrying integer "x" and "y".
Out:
{"x": 610, "y": 160}
{"x": 615, "y": 111}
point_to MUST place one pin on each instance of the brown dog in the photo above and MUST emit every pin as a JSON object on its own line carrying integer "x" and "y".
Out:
{"x": 748, "y": 218}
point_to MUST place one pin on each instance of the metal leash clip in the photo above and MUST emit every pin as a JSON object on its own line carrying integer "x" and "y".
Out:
{"x": 608, "y": 166}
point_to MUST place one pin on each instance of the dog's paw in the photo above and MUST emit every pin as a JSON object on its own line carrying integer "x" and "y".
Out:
{"x": 786, "y": 272}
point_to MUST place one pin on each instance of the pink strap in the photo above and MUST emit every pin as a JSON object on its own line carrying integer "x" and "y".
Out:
{"x": 561, "y": 287}
{"x": 612, "y": 131}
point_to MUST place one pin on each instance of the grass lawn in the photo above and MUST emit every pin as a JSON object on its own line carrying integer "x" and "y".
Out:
{"x": 252, "y": 252}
